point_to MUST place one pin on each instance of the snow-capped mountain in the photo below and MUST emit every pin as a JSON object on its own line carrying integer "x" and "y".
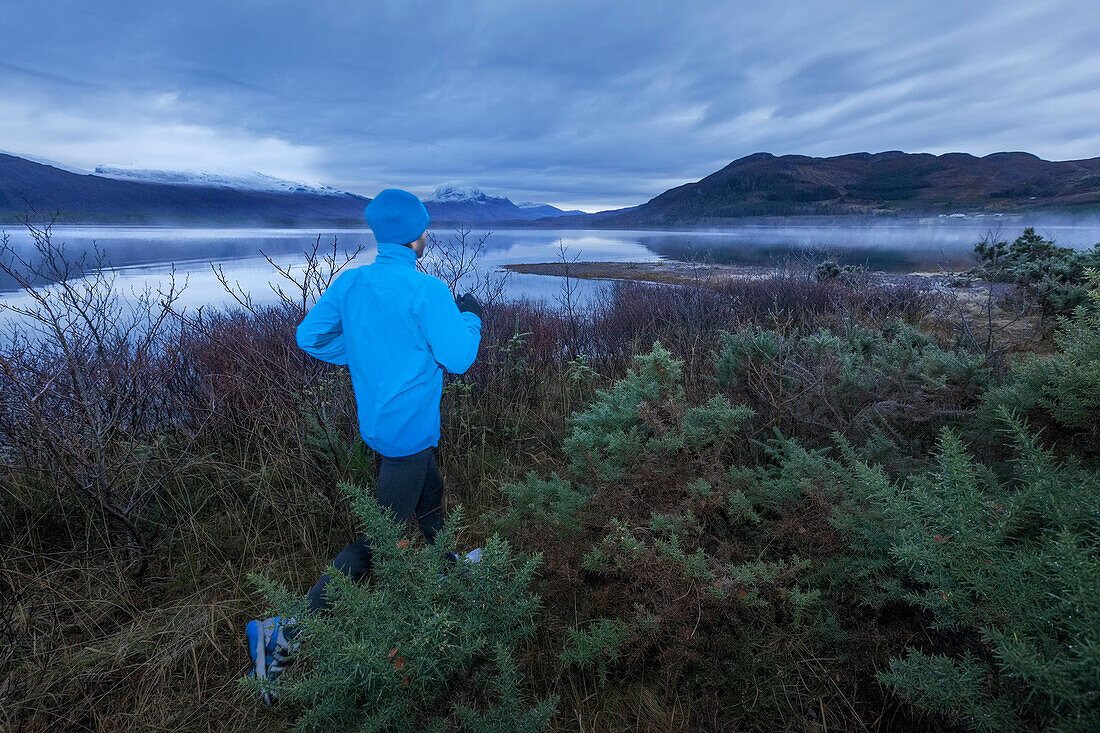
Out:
{"x": 46, "y": 161}
{"x": 76, "y": 196}
{"x": 451, "y": 193}
{"x": 253, "y": 181}
{"x": 456, "y": 203}
{"x": 133, "y": 195}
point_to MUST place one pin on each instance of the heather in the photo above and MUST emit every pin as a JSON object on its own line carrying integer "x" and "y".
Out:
{"x": 801, "y": 501}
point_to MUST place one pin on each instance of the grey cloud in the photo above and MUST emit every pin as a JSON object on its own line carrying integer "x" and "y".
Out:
{"x": 573, "y": 101}
{"x": 212, "y": 78}
{"x": 45, "y": 76}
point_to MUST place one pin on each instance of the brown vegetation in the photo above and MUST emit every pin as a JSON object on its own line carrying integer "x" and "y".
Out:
{"x": 217, "y": 453}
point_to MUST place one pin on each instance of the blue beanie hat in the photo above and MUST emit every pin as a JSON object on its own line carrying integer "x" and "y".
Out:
{"x": 397, "y": 217}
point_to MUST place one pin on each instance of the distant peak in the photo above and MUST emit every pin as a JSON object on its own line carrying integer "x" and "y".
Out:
{"x": 452, "y": 192}
{"x": 1011, "y": 155}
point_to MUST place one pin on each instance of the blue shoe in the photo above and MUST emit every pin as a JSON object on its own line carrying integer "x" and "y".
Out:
{"x": 269, "y": 648}
{"x": 473, "y": 555}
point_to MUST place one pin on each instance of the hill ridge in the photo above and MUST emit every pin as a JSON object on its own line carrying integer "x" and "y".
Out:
{"x": 889, "y": 182}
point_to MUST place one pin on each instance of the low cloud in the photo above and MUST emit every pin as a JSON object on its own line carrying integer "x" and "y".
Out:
{"x": 148, "y": 132}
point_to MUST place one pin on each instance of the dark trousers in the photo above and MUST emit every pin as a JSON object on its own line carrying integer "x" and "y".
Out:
{"x": 412, "y": 487}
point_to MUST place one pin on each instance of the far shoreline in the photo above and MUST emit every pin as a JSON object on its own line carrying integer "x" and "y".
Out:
{"x": 678, "y": 272}
{"x": 1009, "y": 219}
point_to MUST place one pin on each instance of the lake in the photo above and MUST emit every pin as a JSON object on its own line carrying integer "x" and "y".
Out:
{"x": 144, "y": 256}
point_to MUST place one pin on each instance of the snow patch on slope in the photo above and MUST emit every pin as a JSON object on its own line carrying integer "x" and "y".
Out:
{"x": 47, "y": 161}
{"x": 253, "y": 181}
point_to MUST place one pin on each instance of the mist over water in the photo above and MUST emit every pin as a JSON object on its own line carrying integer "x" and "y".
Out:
{"x": 145, "y": 256}
{"x": 898, "y": 247}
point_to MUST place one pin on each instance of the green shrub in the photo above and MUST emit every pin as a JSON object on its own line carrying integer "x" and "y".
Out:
{"x": 658, "y": 574}
{"x": 645, "y": 417}
{"x": 954, "y": 687}
{"x": 897, "y": 383}
{"x": 1013, "y": 564}
{"x": 415, "y": 646}
{"x": 690, "y": 562}
{"x": 611, "y": 435}
{"x": 509, "y": 714}
{"x": 1066, "y": 385}
{"x": 710, "y": 426}
{"x": 833, "y": 270}
{"x": 772, "y": 487}
{"x": 671, "y": 533}
{"x": 551, "y": 502}
{"x": 620, "y": 548}
{"x": 596, "y": 645}
{"x": 745, "y": 347}
{"x": 1057, "y": 275}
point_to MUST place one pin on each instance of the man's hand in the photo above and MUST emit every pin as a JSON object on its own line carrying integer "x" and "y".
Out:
{"x": 469, "y": 304}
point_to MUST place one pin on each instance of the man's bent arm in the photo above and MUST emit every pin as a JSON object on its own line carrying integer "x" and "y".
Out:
{"x": 453, "y": 336}
{"x": 321, "y": 332}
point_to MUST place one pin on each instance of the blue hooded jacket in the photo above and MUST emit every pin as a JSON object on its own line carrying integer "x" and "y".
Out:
{"x": 397, "y": 329}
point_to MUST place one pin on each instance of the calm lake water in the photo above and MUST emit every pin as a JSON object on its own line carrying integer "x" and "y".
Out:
{"x": 144, "y": 256}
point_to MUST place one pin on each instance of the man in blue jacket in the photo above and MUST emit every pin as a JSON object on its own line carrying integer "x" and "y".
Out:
{"x": 397, "y": 329}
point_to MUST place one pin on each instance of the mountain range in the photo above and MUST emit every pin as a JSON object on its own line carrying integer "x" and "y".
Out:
{"x": 40, "y": 190}
{"x": 114, "y": 194}
{"x": 468, "y": 204}
{"x": 759, "y": 185}
{"x": 884, "y": 184}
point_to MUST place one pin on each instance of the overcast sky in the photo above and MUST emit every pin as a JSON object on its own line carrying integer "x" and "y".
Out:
{"x": 583, "y": 104}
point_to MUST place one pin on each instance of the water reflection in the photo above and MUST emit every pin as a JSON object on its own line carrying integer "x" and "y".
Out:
{"x": 145, "y": 256}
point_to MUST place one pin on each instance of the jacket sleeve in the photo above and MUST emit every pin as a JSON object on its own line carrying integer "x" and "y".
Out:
{"x": 452, "y": 336}
{"x": 321, "y": 332}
